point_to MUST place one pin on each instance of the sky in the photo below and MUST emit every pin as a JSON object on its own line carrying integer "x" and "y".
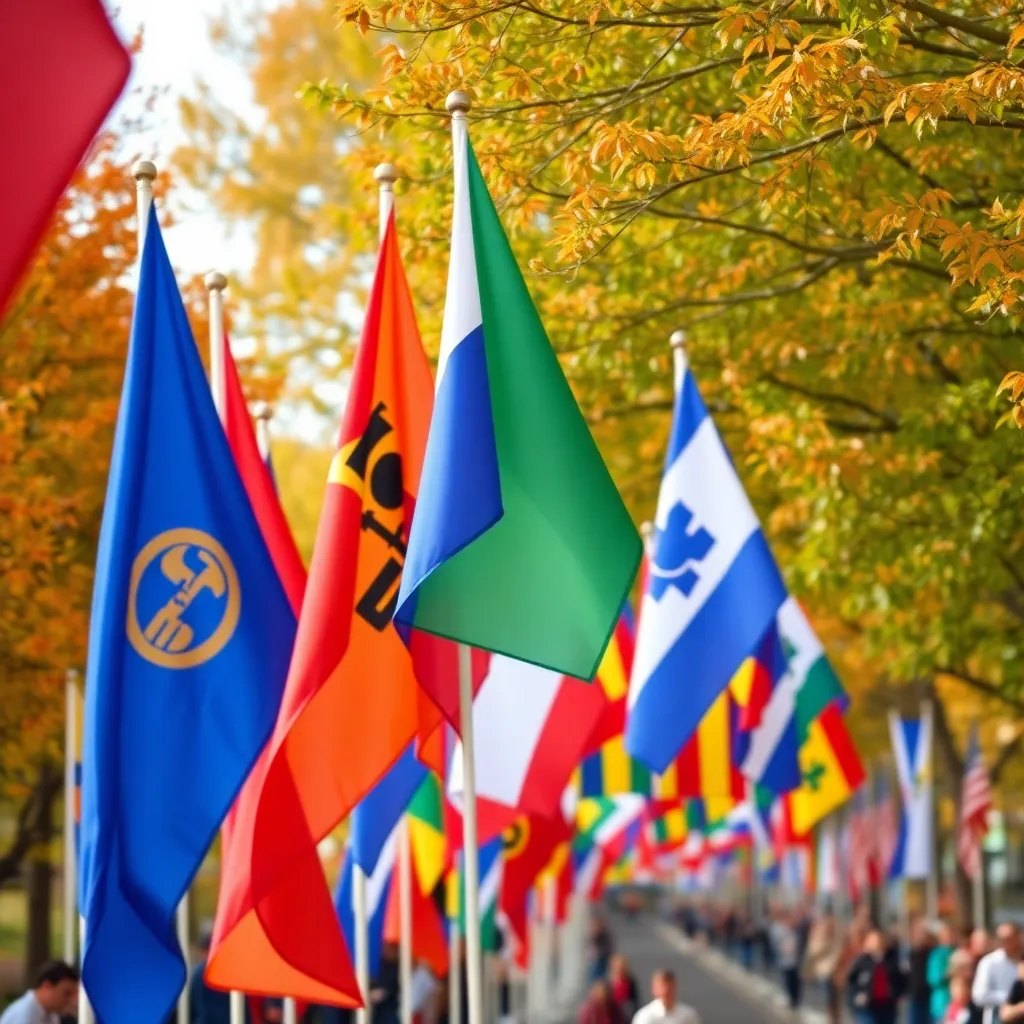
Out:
{"x": 176, "y": 53}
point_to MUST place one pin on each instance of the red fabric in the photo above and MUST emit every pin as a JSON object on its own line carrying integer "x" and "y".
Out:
{"x": 880, "y": 991}
{"x": 429, "y": 941}
{"x": 61, "y": 69}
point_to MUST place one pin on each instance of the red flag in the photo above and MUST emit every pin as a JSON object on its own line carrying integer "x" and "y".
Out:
{"x": 350, "y": 706}
{"x": 429, "y": 941}
{"x": 61, "y": 69}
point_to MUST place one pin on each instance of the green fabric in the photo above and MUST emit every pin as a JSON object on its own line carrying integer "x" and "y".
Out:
{"x": 426, "y": 803}
{"x": 546, "y": 584}
{"x": 819, "y": 689}
{"x": 938, "y": 980}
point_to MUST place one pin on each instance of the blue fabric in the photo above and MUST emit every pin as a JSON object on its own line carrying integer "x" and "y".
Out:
{"x": 460, "y": 488}
{"x": 723, "y": 633}
{"x": 379, "y": 811}
{"x": 191, "y": 634}
{"x": 375, "y": 911}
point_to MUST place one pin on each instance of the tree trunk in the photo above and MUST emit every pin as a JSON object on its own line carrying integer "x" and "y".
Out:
{"x": 38, "y": 942}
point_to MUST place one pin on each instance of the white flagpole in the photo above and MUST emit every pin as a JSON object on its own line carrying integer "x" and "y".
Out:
{"x": 932, "y": 888}
{"x": 458, "y": 104}
{"x": 145, "y": 174}
{"x": 85, "y": 1014}
{"x": 405, "y": 883}
{"x": 978, "y": 885}
{"x": 454, "y": 973}
{"x": 216, "y": 282}
{"x": 70, "y": 854}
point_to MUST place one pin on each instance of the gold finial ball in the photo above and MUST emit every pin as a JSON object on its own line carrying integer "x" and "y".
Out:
{"x": 144, "y": 170}
{"x": 646, "y": 529}
{"x": 215, "y": 281}
{"x": 458, "y": 102}
{"x": 385, "y": 174}
{"x": 677, "y": 339}
{"x": 262, "y": 411}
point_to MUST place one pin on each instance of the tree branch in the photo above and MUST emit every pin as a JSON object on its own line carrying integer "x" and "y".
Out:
{"x": 888, "y": 422}
{"x": 947, "y": 20}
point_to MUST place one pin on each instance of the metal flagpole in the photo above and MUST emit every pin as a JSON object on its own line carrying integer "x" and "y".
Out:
{"x": 70, "y": 864}
{"x": 145, "y": 174}
{"x": 405, "y": 883}
{"x": 978, "y": 885}
{"x": 454, "y": 971}
{"x": 458, "y": 104}
{"x": 216, "y": 282}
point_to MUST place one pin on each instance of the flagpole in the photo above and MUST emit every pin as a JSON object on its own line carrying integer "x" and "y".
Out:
{"x": 144, "y": 172}
{"x": 85, "y": 1014}
{"x": 454, "y": 970}
{"x": 405, "y": 922}
{"x": 932, "y": 890}
{"x": 70, "y": 854}
{"x": 458, "y": 104}
{"x": 978, "y": 886}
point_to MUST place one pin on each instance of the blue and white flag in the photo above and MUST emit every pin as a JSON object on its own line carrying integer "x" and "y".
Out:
{"x": 912, "y": 749}
{"x": 713, "y": 587}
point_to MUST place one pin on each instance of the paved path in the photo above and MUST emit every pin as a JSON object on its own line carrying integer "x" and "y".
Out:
{"x": 717, "y": 996}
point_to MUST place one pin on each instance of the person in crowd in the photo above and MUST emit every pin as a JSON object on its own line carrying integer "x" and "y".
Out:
{"x": 1013, "y": 1008}
{"x": 664, "y": 1006}
{"x": 384, "y": 993}
{"x": 938, "y": 971}
{"x": 824, "y": 955}
{"x": 600, "y": 1007}
{"x": 875, "y": 982}
{"x": 424, "y": 993}
{"x": 996, "y": 973}
{"x": 919, "y": 992}
{"x": 206, "y": 1005}
{"x": 599, "y": 948}
{"x": 786, "y": 944}
{"x": 748, "y": 939}
{"x": 623, "y": 986}
{"x": 958, "y": 1008}
{"x": 53, "y": 994}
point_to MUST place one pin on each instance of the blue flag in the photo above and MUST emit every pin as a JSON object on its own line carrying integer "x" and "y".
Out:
{"x": 378, "y": 888}
{"x": 713, "y": 588}
{"x": 190, "y": 639}
{"x": 377, "y": 814}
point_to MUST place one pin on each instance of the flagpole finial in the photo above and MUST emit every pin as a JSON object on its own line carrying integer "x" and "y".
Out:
{"x": 144, "y": 170}
{"x": 385, "y": 175}
{"x": 458, "y": 103}
{"x": 215, "y": 281}
{"x": 262, "y": 411}
{"x": 646, "y": 528}
{"x": 677, "y": 339}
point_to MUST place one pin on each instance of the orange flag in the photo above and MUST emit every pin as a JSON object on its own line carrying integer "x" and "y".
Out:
{"x": 350, "y": 705}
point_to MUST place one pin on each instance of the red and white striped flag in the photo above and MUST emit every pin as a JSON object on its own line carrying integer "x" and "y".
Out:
{"x": 975, "y": 803}
{"x": 887, "y": 827}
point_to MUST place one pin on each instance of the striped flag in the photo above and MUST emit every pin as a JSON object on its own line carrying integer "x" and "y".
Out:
{"x": 886, "y": 826}
{"x": 975, "y": 803}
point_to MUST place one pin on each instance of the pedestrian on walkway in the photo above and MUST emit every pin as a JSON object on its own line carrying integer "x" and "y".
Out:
{"x": 624, "y": 990}
{"x": 938, "y": 972}
{"x": 600, "y": 1008}
{"x": 599, "y": 948}
{"x": 786, "y": 943}
{"x": 54, "y": 993}
{"x": 824, "y": 962}
{"x": 663, "y": 1007}
{"x": 875, "y": 982}
{"x": 919, "y": 993}
{"x": 1013, "y": 1008}
{"x": 996, "y": 973}
{"x": 958, "y": 1011}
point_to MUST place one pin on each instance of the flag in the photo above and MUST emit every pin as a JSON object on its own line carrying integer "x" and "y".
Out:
{"x": 806, "y": 688}
{"x": 428, "y": 939}
{"x": 528, "y": 846}
{"x": 886, "y": 830}
{"x": 831, "y": 770}
{"x": 520, "y": 544}
{"x": 259, "y": 483}
{"x": 426, "y": 833}
{"x": 613, "y": 677}
{"x": 65, "y": 66}
{"x": 189, "y": 643}
{"x": 912, "y": 748}
{"x": 490, "y": 865}
{"x": 713, "y": 588}
{"x": 863, "y": 848}
{"x": 530, "y": 726}
{"x": 351, "y": 704}
{"x": 610, "y": 771}
{"x": 79, "y": 713}
{"x": 378, "y": 886}
{"x": 975, "y": 804}
{"x": 706, "y": 767}
{"x": 828, "y": 859}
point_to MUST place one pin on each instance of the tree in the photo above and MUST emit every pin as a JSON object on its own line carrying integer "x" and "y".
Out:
{"x": 62, "y": 349}
{"x": 825, "y": 196}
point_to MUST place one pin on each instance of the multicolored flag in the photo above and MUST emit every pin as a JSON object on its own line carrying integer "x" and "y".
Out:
{"x": 67, "y": 67}
{"x": 975, "y": 804}
{"x": 912, "y": 749}
{"x": 713, "y": 591}
{"x": 378, "y": 886}
{"x": 521, "y": 543}
{"x": 190, "y": 638}
{"x": 426, "y": 833}
{"x": 351, "y": 705}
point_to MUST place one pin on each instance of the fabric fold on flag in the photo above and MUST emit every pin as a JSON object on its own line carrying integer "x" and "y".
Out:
{"x": 190, "y": 637}
{"x": 975, "y": 805}
{"x": 713, "y": 587}
{"x": 351, "y": 705}
{"x": 521, "y": 544}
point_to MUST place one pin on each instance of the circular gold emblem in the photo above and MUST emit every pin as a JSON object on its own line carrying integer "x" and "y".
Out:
{"x": 515, "y": 837}
{"x": 184, "y": 599}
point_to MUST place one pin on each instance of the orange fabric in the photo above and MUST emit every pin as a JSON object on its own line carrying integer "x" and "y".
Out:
{"x": 350, "y": 705}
